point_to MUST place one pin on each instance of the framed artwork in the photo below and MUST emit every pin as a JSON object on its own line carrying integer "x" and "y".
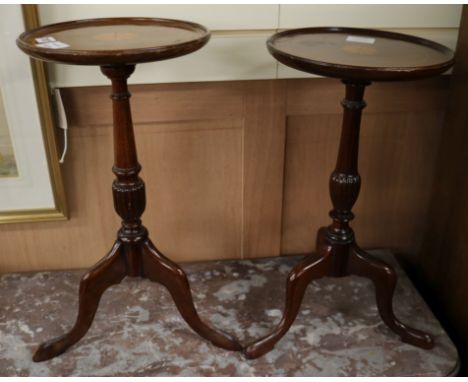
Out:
{"x": 31, "y": 184}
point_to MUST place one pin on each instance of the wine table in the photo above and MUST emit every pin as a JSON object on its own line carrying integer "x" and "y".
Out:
{"x": 116, "y": 45}
{"x": 357, "y": 57}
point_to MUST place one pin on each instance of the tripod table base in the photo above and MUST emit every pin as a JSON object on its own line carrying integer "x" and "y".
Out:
{"x": 110, "y": 270}
{"x": 341, "y": 260}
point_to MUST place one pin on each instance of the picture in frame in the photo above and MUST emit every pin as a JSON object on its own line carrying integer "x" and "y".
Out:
{"x": 31, "y": 183}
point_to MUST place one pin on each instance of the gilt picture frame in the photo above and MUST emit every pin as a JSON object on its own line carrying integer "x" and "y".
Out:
{"x": 31, "y": 181}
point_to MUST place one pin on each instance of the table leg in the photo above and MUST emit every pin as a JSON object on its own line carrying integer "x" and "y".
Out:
{"x": 384, "y": 278}
{"x": 309, "y": 269}
{"x": 337, "y": 253}
{"x": 133, "y": 253}
{"x": 107, "y": 272}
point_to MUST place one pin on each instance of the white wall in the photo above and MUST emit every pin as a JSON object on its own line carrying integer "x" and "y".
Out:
{"x": 237, "y": 49}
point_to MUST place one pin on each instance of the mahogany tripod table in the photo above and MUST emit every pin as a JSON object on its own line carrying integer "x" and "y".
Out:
{"x": 116, "y": 45}
{"x": 357, "y": 57}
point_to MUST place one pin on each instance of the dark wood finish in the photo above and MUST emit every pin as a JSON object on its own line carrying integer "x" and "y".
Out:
{"x": 390, "y": 57}
{"x": 337, "y": 253}
{"x": 120, "y": 40}
{"x": 133, "y": 254}
{"x": 443, "y": 266}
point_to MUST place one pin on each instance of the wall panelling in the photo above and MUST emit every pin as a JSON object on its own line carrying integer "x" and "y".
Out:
{"x": 240, "y": 169}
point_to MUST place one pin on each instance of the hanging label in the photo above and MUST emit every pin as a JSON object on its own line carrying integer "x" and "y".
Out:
{"x": 360, "y": 39}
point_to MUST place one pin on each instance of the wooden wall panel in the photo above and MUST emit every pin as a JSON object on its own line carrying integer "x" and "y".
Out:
{"x": 158, "y": 103}
{"x": 399, "y": 146}
{"x": 443, "y": 259}
{"x": 263, "y": 167}
{"x": 397, "y": 158}
{"x": 311, "y": 147}
{"x": 194, "y": 188}
{"x": 239, "y": 169}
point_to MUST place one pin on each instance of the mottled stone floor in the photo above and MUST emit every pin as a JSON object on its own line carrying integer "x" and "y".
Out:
{"x": 138, "y": 331}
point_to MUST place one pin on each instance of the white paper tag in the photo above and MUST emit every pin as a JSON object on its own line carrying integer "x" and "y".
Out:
{"x": 45, "y": 39}
{"x": 360, "y": 39}
{"x": 53, "y": 45}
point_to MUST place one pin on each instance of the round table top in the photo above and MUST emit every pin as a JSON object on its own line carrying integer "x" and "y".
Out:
{"x": 360, "y": 54}
{"x": 108, "y": 41}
